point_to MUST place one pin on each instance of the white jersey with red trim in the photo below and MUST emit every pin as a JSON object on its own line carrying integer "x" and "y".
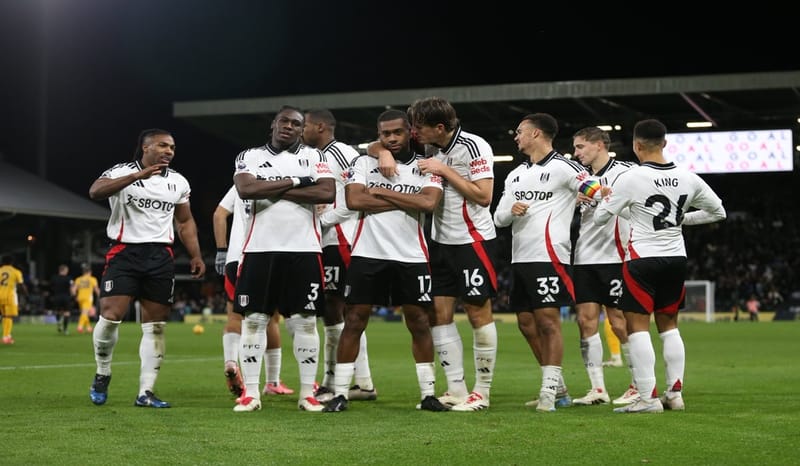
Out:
{"x": 338, "y": 222}
{"x": 457, "y": 220}
{"x": 279, "y": 225}
{"x": 234, "y": 204}
{"x": 395, "y": 234}
{"x": 550, "y": 188}
{"x": 143, "y": 211}
{"x": 602, "y": 244}
{"x": 659, "y": 197}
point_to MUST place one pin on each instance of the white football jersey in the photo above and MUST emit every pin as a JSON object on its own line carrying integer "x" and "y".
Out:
{"x": 457, "y": 220}
{"x": 659, "y": 197}
{"x": 143, "y": 211}
{"x": 276, "y": 225}
{"x": 338, "y": 222}
{"x": 234, "y": 204}
{"x": 550, "y": 188}
{"x": 602, "y": 244}
{"x": 395, "y": 234}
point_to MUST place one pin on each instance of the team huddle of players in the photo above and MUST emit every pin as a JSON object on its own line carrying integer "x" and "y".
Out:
{"x": 321, "y": 231}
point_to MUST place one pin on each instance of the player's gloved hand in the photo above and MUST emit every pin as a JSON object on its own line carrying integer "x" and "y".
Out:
{"x": 219, "y": 261}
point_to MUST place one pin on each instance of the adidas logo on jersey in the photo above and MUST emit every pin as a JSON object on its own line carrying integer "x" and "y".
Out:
{"x": 425, "y": 298}
{"x": 549, "y": 299}
{"x": 310, "y": 306}
{"x": 330, "y": 286}
{"x": 474, "y": 292}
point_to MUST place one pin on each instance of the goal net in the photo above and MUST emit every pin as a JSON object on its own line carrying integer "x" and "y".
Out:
{"x": 699, "y": 301}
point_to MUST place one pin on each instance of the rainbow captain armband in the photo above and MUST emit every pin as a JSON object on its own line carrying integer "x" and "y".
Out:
{"x": 591, "y": 188}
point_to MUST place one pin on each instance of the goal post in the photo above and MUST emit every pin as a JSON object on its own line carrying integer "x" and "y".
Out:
{"x": 699, "y": 299}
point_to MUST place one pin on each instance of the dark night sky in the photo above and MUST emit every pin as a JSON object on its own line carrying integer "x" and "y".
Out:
{"x": 115, "y": 67}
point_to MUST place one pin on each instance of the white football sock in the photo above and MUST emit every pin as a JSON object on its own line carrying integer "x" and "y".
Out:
{"x": 674, "y": 358}
{"x": 230, "y": 346}
{"x": 305, "y": 342}
{"x": 562, "y": 386}
{"x": 332, "y": 334}
{"x": 485, "y": 354}
{"x": 272, "y": 365}
{"x": 251, "y": 351}
{"x": 342, "y": 377}
{"x": 550, "y": 380}
{"x": 449, "y": 348}
{"x": 643, "y": 360}
{"x": 626, "y": 354}
{"x": 152, "y": 347}
{"x": 426, "y": 376}
{"x": 592, "y": 353}
{"x": 363, "y": 375}
{"x": 104, "y": 338}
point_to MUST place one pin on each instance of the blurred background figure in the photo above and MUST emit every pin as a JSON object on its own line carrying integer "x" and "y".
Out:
{"x": 10, "y": 281}
{"x": 753, "y": 305}
{"x": 86, "y": 292}
{"x": 61, "y": 297}
{"x": 614, "y": 346}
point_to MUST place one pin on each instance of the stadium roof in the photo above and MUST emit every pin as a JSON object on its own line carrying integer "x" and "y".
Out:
{"x": 22, "y": 192}
{"x": 768, "y": 100}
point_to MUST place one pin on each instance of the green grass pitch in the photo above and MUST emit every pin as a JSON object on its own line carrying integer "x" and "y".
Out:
{"x": 741, "y": 392}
